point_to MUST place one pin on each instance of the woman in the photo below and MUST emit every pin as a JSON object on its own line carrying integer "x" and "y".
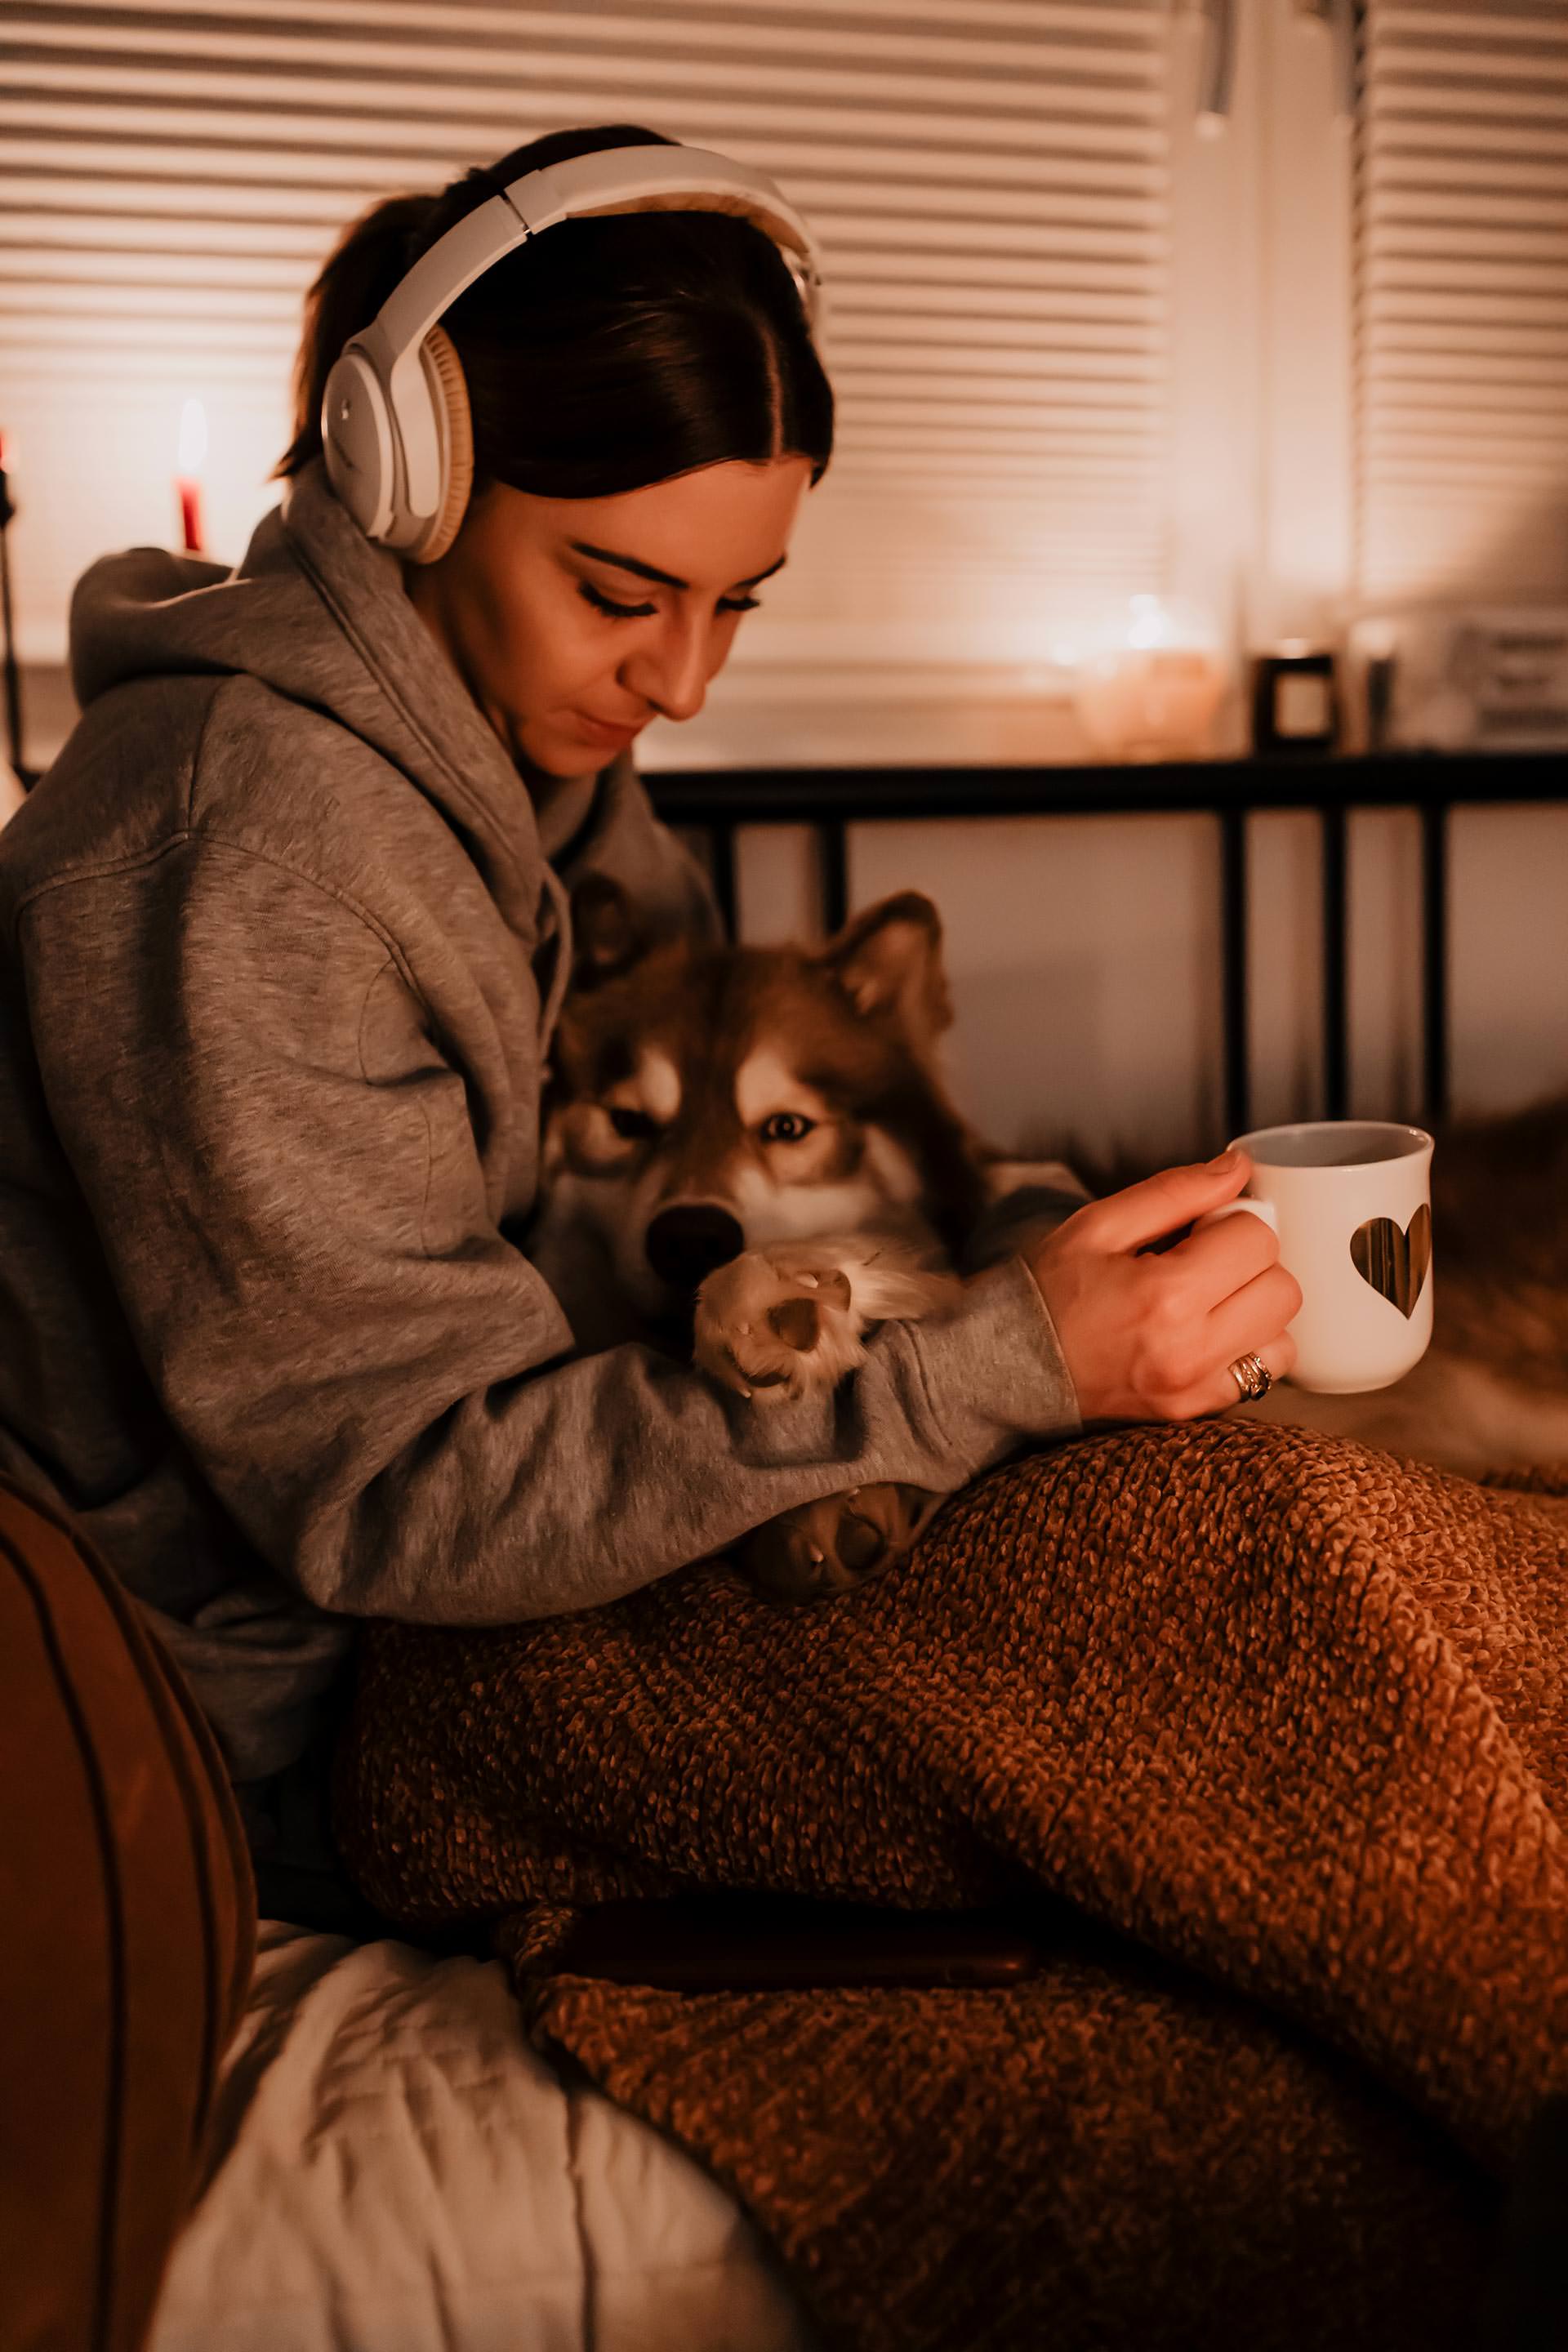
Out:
{"x": 285, "y": 936}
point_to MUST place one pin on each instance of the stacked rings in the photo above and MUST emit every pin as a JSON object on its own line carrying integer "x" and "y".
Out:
{"x": 1252, "y": 1377}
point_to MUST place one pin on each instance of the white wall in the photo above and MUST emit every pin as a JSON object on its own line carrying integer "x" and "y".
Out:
{"x": 1510, "y": 955}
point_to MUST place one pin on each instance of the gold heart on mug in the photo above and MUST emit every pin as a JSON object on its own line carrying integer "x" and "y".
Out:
{"x": 1395, "y": 1261}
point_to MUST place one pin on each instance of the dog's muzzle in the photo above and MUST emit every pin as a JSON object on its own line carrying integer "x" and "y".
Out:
{"x": 684, "y": 1244}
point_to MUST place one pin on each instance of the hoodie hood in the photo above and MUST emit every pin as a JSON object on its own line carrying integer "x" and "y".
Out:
{"x": 319, "y": 616}
{"x": 318, "y": 613}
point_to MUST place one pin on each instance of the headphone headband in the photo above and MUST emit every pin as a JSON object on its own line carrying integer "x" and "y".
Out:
{"x": 378, "y": 419}
{"x": 616, "y": 180}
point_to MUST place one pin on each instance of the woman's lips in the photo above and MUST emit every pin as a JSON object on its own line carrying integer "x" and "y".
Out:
{"x": 598, "y": 731}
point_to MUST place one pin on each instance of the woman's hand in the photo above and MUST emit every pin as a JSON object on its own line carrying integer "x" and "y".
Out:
{"x": 1149, "y": 1336}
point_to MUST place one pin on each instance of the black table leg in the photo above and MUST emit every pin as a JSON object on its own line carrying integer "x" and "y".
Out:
{"x": 834, "y": 850}
{"x": 1435, "y": 958}
{"x": 721, "y": 872}
{"x": 1336, "y": 1022}
{"x": 1233, "y": 968}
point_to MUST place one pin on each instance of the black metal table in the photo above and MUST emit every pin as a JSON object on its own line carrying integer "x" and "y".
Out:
{"x": 830, "y": 799}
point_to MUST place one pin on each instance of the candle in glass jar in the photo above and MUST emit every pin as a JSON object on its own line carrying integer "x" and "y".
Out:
{"x": 1154, "y": 692}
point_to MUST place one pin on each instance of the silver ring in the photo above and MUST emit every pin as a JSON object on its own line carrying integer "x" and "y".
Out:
{"x": 1252, "y": 1377}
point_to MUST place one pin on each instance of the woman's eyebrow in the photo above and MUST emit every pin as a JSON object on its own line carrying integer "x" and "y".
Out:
{"x": 666, "y": 579}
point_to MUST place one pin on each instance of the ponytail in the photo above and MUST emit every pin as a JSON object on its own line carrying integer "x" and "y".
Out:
{"x": 358, "y": 275}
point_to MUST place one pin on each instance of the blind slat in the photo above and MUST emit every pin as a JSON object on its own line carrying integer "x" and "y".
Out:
{"x": 1461, "y": 426}
{"x": 1057, "y": 19}
{"x": 581, "y": 79}
{"x": 990, "y": 185}
{"x": 529, "y": 37}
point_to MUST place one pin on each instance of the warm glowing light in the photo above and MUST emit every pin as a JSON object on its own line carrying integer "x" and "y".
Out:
{"x": 1150, "y": 623}
{"x": 1151, "y": 686}
{"x": 187, "y": 477}
{"x": 1147, "y": 621}
{"x": 1375, "y": 640}
{"x": 193, "y": 437}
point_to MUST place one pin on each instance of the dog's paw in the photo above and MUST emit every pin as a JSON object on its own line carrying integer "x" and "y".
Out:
{"x": 778, "y": 1322}
{"x": 787, "y": 1319}
{"x": 831, "y": 1546}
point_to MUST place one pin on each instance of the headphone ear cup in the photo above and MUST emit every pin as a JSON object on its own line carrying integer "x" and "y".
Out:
{"x": 449, "y": 399}
{"x": 357, "y": 442}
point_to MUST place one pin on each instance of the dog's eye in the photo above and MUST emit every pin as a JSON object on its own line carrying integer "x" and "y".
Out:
{"x": 631, "y": 1125}
{"x": 785, "y": 1127}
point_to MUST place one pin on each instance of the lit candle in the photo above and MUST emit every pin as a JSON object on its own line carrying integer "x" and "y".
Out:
{"x": 187, "y": 481}
{"x": 1154, "y": 692}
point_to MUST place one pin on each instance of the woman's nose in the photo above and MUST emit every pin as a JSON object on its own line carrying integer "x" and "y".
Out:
{"x": 673, "y": 673}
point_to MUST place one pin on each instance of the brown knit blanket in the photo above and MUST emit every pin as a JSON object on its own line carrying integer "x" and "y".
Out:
{"x": 1284, "y": 1718}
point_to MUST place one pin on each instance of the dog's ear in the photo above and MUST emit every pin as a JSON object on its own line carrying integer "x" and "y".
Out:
{"x": 607, "y": 936}
{"x": 888, "y": 964}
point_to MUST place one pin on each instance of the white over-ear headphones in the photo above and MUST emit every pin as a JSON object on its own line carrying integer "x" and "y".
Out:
{"x": 395, "y": 415}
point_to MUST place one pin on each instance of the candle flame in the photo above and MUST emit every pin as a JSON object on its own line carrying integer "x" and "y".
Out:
{"x": 1377, "y": 640}
{"x": 1150, "y": 623}
{"x": 193, "y": 436}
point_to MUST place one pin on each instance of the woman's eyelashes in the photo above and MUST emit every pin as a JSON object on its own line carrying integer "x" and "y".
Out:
{"x": 640, "y": 612}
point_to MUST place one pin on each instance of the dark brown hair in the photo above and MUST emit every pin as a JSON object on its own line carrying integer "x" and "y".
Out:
{"x": 602, "y": 355}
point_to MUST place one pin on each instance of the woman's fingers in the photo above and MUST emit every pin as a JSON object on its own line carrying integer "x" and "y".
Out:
{"x": 1219, "y": 1390}
{"x": 1161, "y": 1203}
{"x": 1224, "y": 1391}
{"x": 1253, "y": 1319}
{"x": 1149, "y": 1335}
{"x": 1182, "y": 1363}
{"x": 1220, "y": 1258}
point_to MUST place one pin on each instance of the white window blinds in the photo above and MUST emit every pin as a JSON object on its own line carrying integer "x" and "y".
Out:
{"x": 1462, "y": 300}
{"x": 988, "y": 182}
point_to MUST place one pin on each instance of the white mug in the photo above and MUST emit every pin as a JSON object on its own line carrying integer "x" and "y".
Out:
{"x": 1350, "y": 1201}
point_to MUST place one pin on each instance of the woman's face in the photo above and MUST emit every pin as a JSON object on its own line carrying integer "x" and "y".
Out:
{"x": 519, "y": 601}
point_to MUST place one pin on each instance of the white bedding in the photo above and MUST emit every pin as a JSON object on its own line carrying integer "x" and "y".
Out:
{"x": 395, "y": 2170}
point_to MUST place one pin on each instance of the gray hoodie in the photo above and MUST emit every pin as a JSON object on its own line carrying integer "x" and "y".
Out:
{"x": 281, "y": 948}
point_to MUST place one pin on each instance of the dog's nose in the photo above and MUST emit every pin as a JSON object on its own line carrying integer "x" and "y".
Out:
{"x": 683, "y": 1245}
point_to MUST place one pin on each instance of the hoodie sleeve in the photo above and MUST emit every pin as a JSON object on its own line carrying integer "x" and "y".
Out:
{"x": 368, "y": 1372}
{"x": 1037, "y": 1198}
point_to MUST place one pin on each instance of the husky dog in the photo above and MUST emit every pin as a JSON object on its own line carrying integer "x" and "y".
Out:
{"x": 749, "y": 1157}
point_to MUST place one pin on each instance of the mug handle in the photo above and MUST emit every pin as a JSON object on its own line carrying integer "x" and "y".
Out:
{"x": 1243, "y": 1206}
